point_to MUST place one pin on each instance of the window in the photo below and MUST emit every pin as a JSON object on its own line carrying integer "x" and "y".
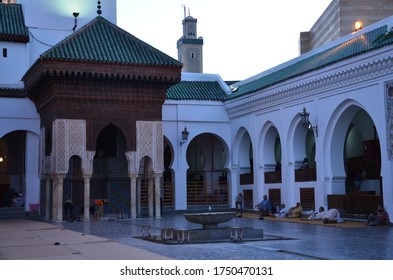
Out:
{"x": 5, "y": 52}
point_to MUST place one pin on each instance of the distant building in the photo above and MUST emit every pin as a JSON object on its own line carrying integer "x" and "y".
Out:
{"x": 189, "y": 47}
{"x": 339, "y": 18}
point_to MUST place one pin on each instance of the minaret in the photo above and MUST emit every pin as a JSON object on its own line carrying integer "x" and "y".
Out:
{"x": 189, "y": 46}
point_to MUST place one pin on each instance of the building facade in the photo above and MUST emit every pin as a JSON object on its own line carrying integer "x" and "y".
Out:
{"x": 339, "y": 18}
{"x": 86, "y": 123}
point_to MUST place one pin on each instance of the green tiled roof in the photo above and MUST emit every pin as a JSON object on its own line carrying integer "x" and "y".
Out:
{"x": 103, "y": 41}
{"x": 196, "y": 90}
{"x": 12, "y": 93}
{"x": 12, "y": 24}
{"x": 369, "y": 41}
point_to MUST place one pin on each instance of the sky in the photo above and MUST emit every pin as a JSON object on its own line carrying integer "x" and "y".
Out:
{"x": 241, "y": 38}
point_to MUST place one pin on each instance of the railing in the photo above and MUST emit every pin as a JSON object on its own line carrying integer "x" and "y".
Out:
{"x": 210, "y": 189}
{"x": 246, "y": 179}
{"x": 273, "y": 177}
{"x": 306, "y": 175}
{"x": 360, "y": 203}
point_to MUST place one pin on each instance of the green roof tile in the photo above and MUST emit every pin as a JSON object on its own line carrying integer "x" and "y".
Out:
{"x": 103, "y": 41}
{"x": 369, "y": 41}
{"x": 12, "y": 24}
{"x": 196, "y": 90}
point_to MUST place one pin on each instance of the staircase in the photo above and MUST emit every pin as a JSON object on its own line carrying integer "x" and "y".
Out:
{"x": 12, "y": 213}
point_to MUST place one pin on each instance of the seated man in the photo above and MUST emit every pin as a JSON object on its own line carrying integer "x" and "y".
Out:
{"x": 264, "y": 207}
{"x": 317, "y": 216}
{"x": 332, "y": 216}
{"x": 282, "y": 213}
{"x": 380, "y": 218}
{"x": 295, "y": 211}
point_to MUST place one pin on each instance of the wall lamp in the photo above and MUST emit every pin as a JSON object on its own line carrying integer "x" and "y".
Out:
{"x": 358, "y": 25}
{"x": 75, "y": 14}
{"x": 306, "y": 121}
{"x": 184, "y": 136}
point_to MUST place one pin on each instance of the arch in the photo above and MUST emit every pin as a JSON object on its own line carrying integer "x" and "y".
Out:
{"x": 352, "y": 150}
{"x": 208, "y": 159}
{"x": 110, "y": 142}
{"x": 270, "y": 157}
{"x": 167, "y": 199}
{"x": 168, "y": 154}
{"x": 73, "y": 186}
{"x": 336, "y": 133}
{"x": 302, "y": 139}
{"x": 270, "y": 147}
{"x": 110, "y": 181}
{"x": 242, "y": 152}
{"x": 13, "y": 165}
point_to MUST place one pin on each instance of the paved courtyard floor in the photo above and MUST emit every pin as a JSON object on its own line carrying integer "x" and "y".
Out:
{"x": 297, "y": 241}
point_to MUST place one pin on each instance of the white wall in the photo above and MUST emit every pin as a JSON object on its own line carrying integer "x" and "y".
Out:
{"x": 14, "y": 65}
{"x": 49, "y": 22}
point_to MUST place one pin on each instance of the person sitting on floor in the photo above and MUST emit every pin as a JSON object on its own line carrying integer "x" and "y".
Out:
{"x": 282, "y": 213}
{"x": 264, "y": 207}
{"x": 332, "y": 216}
{"x": 295, "y": 211}
{"x": 380, "y": 218}
{"x": 317, "y": 215}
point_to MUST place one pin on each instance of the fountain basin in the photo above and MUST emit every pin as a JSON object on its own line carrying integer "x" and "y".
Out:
{"x": 210, "y": 220}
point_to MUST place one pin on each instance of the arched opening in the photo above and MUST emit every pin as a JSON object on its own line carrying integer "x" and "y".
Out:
{"x": 110, "y": 181}
{"x": 272, "y": 156}
{"x": 73, "y": 187}
{"x": 167, "y": 198}
{"x": 304, "y": 153}
{"x": 246, "y": 161}
{"x": 362, "y": 156}
{"x": 12, "y": 167}
{"x": 207, "y": 182}
{"x": 355, "y": 163}
{"x": 145, "y": 193}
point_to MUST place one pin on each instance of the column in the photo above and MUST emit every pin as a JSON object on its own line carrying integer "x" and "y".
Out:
{"x": 58, "y": 197}
{"x": 47, "y": 198}
{"x": 133, "y": 177}
{"x": 31, "y": 189}
{"x": 157, "y": 183}
{"x": 86, "y": 197}
{"x": 54, "y": 198}
{"x": 138, "y": 197}
{"x": 150, "y": 191}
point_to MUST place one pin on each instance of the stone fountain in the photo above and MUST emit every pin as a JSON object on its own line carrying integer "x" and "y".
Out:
{"x": 211, "y": 230}
{"x": 210, "y": 220}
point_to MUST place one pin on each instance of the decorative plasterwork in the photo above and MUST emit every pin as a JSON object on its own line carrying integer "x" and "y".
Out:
{"x": 68, "y": 139}
{"x": 267, "y": 98}
{"x": 389, "y": 119}
{"x": 150, "y": 144}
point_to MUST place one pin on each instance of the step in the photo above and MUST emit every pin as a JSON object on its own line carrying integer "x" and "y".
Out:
{"x": 9, "y": 213}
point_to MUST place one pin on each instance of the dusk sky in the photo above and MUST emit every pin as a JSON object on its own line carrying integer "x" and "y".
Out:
{"x": 241, "y": 38}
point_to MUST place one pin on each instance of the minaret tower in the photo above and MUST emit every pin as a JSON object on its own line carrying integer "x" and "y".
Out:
{"x": 189, "y": 46}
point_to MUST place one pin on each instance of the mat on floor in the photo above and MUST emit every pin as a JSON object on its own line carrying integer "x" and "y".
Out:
{"x": 346, "y": 224}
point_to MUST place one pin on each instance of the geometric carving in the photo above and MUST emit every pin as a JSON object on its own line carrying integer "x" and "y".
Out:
{"x": 149, "y": 143}
{"x": 389, "y": 119}
{"x": 68, "y": 139}
{"x": 270, "y": 97}
{"x": 159, "y": 148}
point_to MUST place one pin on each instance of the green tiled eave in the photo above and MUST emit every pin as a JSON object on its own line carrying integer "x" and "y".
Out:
{"x": 12, "y": 93}
{"x": 12, "y": 24}
{"x": 196, "y": 90}
{"x": 104, "y": 42}
{"x": 369, "y": 41}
